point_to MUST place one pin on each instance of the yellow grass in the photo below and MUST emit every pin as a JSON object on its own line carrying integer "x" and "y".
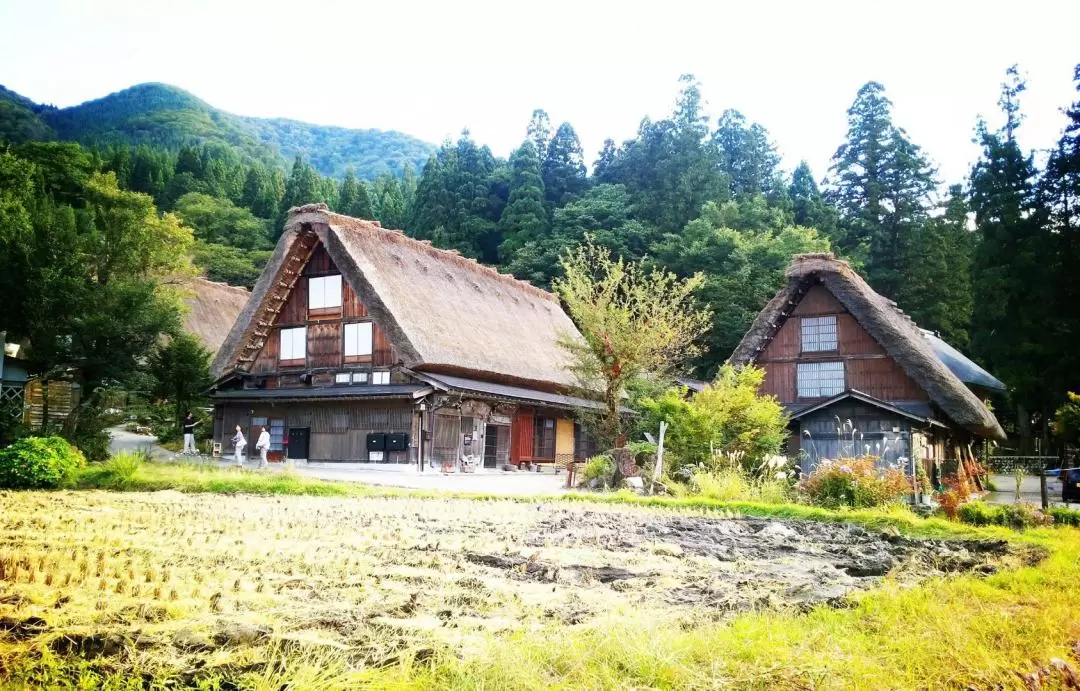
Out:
{"x": 349, "y": 592}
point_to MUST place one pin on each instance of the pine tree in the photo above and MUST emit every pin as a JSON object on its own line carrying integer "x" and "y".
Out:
{"x": 1061, "y": 189}
{"x": 1015, "y": 307}
{"x": 303, "y": 187}
{"x": 882, "y": 192}
{"x": 808, "y": 205}
{"x": 524, "y": 217}
{"x": 602, "y": 168}
{"x": 747, "y": 156}
{"x": 352, "y": 197}
{"x": 563, "y": 169}
{"x": 539, "y": 131}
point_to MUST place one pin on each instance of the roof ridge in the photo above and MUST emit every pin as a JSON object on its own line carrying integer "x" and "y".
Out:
{"x": 425, "y": 246}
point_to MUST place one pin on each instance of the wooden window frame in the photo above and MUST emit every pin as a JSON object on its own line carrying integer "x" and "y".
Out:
{"x": 323, "y": 309}
{"x": 819, "y": 367}
{"x": 817, "y": 322}
{"x": 291, "y": 361}
{"x": 359, "y": 357}
{"x": 540, "y": 432}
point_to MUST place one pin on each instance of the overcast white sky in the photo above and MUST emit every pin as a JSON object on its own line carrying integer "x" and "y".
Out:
{"x": 431, "y": 68}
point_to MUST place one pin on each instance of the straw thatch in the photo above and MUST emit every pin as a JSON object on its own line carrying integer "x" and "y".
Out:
{"x": 212, "y": 310}
{"x": 894, "y": 330}
{"x": 443, "y": 312}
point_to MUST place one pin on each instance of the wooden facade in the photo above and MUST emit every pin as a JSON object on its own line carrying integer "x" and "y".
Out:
{"x": 326, "y": 397}
{"x": 867, "y": 367}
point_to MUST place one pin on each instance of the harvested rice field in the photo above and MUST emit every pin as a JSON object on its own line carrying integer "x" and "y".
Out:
{"x": 308, "y": 592}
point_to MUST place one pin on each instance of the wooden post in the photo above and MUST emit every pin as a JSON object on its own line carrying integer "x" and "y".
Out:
{"x": 658, "y": 470}
{"x": 1043, "y": 492}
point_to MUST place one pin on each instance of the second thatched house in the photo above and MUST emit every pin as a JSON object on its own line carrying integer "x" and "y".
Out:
{"x": 857, "y": 376}
{"x": 361, "y": 344}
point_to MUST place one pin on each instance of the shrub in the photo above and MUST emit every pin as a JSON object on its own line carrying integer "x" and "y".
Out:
{"x": 39, "y": 463}
{"x": 1064, "y": 516}
{"x": 950, "y": 499}
{"x": 854, "y": 482}
{"x": 1021, "y": 515}
{"x": 735, "y": 484}
{"x": 600, "y": 468}
{"x": 726, "y": 417}
{"x": 122, "y": 467}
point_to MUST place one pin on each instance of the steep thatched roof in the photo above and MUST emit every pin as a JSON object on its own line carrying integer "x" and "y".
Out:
{"x": 443, "y": 312}
{"x": 894, "y": 330}
{"x": 212, "y": 310}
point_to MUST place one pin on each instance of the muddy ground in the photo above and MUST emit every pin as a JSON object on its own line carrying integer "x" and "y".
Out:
{"x": 175, "y": 578}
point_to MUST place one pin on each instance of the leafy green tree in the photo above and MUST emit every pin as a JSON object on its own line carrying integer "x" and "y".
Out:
{"x": 352, "y": 198}
{"x": 563, "y": 169}
{"x": 633, "y": 322}
{"x": 882, "y": 191}
{"x": 216, "y": 220}
{"x": 180, "y": 368}
{"x": 742, "y": 269}
{"x": 727, "y": 416}
{"x": 390, "y": 207}
{"x": 605, "y": 213}
{"x": 1067, "y": 420}
{"x": 230, "y": 265}
{"x": 524, "y": 219}
{"x": 260, "y": 193}
{"x": 604, "y": 162}
{"x": 1015, "y": 248}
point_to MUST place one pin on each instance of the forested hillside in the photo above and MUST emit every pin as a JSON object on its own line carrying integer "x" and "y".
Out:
{"x": 164, "y": 116}
{"x": 988, "y": 261}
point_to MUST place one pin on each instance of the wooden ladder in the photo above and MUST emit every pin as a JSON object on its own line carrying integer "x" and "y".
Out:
{"x": 263, "y": 320}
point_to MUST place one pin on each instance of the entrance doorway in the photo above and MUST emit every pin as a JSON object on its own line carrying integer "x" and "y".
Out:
{"x": 496, "y": 446}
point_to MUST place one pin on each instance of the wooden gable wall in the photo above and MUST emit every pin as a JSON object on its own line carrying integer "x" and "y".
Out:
{"x": 868, "y": 368}
{"x": 325, "y": 332}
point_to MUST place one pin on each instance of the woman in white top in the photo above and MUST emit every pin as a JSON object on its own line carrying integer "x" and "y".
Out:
{"x": 263, "y": 445}
{"x": 239, "y": 442}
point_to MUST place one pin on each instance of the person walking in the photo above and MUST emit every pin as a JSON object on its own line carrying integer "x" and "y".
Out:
{"x": 262, "y": 446}
{"x": 189, "y": 426}
{"x": 239, "y": 442}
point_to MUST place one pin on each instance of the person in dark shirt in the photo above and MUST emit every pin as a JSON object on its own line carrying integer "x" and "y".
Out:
{"x": 189, "y": 434}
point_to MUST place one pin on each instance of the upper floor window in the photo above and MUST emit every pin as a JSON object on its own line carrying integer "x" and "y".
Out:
{"x": 378, "y": 378}
{"x": 294, "y": 344}
{"x": 819, "y": 379}
{"x": 818, "y": 334}
{"x": 358, "y": 339}
{"x": 324, "y": 292}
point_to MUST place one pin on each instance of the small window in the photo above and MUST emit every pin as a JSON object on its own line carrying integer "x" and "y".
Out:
{"x": 359, "y": 378}
{"x": 294, "y": 343}
{"x": 342, "y": 378}
{"x": 324, "y": 292}
{"x": 380, "y": 378}
{"x": 358, "y": 339}
{"x": 818, "y": 334}
{"x": 819, "y": 379}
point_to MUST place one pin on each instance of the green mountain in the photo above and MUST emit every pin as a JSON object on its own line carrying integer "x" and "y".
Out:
{"x": 163, "y": 115}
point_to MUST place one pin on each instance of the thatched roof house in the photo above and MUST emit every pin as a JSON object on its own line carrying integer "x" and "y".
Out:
{"x": 443, "y": 312}
{"x": 827, "y": 335}
{"x": 354, "y": 331}
{"x": 212, "y": 310}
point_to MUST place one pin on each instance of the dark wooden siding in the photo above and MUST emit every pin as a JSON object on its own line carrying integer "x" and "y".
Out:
{"x": 338, "y": 430}
{"x": 352, "y": 307}
{"x": 295, "y": 310}
{"x": 871, "y": 431}
{"x": 867, "y": 366}
{"x": 267, "y": 361}
{"x": 882, "y": 378}
{"x": 853, "y": 339}
{"x": 320, "y": 263}
{"x": 818, "y": 300}
{"x": 382, "y": 351}
{"x": 324, "y": 344}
